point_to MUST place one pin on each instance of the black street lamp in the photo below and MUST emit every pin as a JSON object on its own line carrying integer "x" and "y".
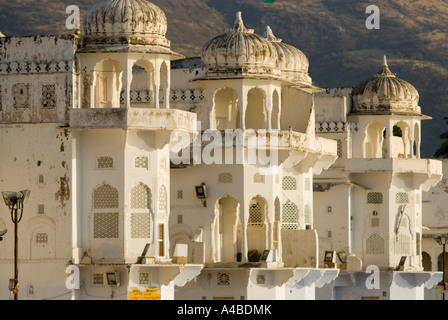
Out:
{"x": 15, "y": 201}
{"x": 442, "y": 239}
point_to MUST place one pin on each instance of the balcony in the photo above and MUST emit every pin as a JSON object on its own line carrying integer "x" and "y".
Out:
{"x": 133, "y": 118}
{"x": 427, "y": 172}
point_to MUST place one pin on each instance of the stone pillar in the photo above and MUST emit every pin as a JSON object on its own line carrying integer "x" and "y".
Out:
{"x": 156, "y": 86}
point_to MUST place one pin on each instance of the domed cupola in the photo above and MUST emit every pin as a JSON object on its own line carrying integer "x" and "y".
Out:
{"x": 385, "y": 94}
{"x": 240, "y": 52}
{"x": 134, "y": 22}
{"x": 292, "y": 62}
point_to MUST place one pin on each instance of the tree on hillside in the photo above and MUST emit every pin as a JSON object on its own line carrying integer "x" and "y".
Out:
{"x": 442, "y": 152}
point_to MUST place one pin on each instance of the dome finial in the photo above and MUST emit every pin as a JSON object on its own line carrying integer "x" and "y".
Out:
{"x": 270, "y": 35}
{"x": 239, "y": 24}
{"x": 385, "y": 71}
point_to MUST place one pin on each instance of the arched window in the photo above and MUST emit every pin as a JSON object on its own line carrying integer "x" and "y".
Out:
{"x": 141, "y": 162}
{"x": 290, "y": 216}
{"x": 256, "y": 215}
{"x": 105, "y": 197}
{"x": 375, "y": 244}
{"x": 105, "y": 215}
{"x": 401, "y": 140}
{"x": 141, "y": 197}
{"x": 141, "y": 217}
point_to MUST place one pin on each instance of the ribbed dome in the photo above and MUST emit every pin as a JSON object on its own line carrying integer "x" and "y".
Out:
{"x": 111, "y": 21}
{"x": 291, "y": 61}
{"x": 385, "y": 94}
{"x": 240, "y": 51}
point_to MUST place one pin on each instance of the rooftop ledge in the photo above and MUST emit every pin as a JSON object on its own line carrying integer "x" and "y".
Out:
{"x": 133, "y": 118}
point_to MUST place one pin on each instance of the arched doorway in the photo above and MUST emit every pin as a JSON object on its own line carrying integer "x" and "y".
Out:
{"x": 225, "y": 236}
{"x": 257, "y": 228}
{"x": 426, "y": 261}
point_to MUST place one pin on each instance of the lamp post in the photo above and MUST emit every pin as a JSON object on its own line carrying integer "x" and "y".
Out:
{"x": 15, "y": 202}
{"x": 442, "y": 239}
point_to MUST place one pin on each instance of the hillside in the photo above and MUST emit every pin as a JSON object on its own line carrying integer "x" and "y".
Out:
{"x": 332, "y": 33}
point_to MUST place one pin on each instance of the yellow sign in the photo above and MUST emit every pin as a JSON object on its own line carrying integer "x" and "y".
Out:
{"x": 149, "y": 294}
{"x": 135, "y": 294}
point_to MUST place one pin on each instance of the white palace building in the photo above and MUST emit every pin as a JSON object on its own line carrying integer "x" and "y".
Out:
{"x": 227, "y": 176}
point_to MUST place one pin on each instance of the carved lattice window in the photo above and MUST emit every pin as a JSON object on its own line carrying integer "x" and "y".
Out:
{"x": 105, "y": 163}
{"x": 258, "y": 178}
{"x": 143, "y": 278}
{"x": 374, "y": 197}
{"x": 105, "y": 197}
{"x": 163, "y": 198}
{"x": 225, "y": 178}
{"x": 339, "y": 148}
{"x": 105, "y": 225}
{"x": 141, "y": 197}
{"x": 223, "y": 279}
{"x": 289, "y": 183}
{"x": 141, "y": 162}
{"x": 21, "y": 94}
{"x": 375, "y": 222}
{"x": 140, "y": 225}
{"x": 375, "y": 244}
{"x": 255, "y": 215}
{"x": 49, "y": 96}
{"x": 41, "y": 238}
{"x": 98, "y": 279}
{"x": 290, "y": 216}
{"x": 401, "y": 197}
{"x": 402, "y": 245}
